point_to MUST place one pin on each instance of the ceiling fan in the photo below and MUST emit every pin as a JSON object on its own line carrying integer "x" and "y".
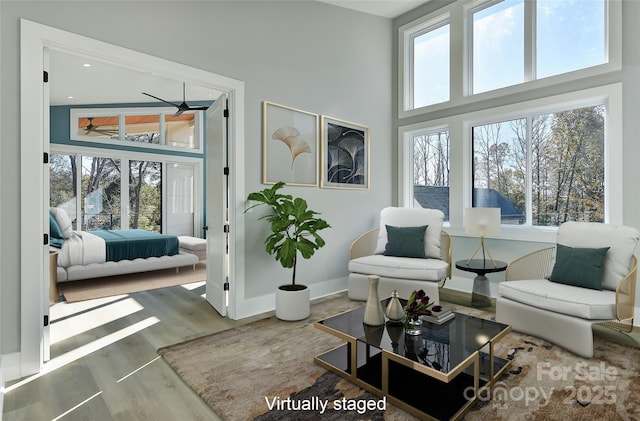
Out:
{"x": 91, "y": 128}
{"x": 181, "y": 107}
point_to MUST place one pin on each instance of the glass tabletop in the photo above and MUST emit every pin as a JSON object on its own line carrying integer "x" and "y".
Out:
{"x": 442, "y": 347}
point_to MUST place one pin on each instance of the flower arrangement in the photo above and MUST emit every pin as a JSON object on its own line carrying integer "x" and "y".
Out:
{"x": 418, "y": 305}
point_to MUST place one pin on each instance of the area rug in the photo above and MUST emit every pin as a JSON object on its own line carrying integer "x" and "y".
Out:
{"x": 89, "y": 289}
{"x": 265, "y": 371}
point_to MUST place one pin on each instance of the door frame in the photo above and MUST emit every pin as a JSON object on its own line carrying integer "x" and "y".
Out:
{"x": 34, "y": 38}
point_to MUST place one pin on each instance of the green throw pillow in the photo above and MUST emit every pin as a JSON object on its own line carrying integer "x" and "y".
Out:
{"x": 405, "y": 241}
{"x": 581, "y": 267}
{"x": 54, "y": 227}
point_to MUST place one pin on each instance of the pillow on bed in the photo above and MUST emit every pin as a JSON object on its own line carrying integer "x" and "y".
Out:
{"x": 63, "y": 221}
{"x": 54, "y": 228}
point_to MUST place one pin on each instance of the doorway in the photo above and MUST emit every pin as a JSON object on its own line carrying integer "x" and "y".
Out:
{"x": 35, "y": 38}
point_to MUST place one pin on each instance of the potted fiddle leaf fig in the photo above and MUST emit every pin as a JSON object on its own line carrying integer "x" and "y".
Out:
{"x": 294, "y": 234}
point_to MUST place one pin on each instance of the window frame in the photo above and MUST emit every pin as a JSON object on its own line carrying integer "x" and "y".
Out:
{"x": 460, "y": 59}
{"x": 122, "y": 113}
{"x": 461, "y": 155}
{"x": 125, "y": 156}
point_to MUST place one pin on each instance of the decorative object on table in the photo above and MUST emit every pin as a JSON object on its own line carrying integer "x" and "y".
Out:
{"x": 373, "y": 313}
{"x": 289, "y": 145}
{"x": 345, "y": 154}
{"x": 294, "y": 228}
{"x": 482, "y": 222}
{"x": 394, "y": 311}
{"x": 417, "y": 306}
{"x": 444, "y": 315}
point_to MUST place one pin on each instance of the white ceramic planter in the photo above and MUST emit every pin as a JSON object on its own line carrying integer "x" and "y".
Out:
{"x": 293, "y": 305}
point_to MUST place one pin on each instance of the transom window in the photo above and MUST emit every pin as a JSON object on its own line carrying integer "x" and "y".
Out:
{"x": 147, "y": 127}
{"x": 567, "y": 36}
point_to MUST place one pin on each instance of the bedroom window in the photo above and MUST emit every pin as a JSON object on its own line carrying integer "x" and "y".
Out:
{"x": 100, "y": 200}
{"x": 127, "y": 191}
{"x": 150, "y": 127}
{"x": 542, "y": 169}
{"x": 145, "y": 195}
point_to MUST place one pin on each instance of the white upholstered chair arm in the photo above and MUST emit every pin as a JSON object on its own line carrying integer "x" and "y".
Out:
{"x": 536, "y": 265}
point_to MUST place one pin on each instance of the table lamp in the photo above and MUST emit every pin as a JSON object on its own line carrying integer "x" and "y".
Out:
{"x": 482, "y": 222}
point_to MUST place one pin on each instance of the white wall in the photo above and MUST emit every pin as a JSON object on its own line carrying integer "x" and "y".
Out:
{"x": 303, "y": 54}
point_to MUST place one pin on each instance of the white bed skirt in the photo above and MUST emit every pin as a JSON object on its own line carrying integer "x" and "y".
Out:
{"x": 98, "y": 270}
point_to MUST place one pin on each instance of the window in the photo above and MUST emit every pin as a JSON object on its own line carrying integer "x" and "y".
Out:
{"x": 567, "y": 36}
{"x": 100, "y": 200}
{"x": 431, "y": 170}
{"x": 427, "y": 68}
{"x": 470, "y": 51}
{"x": 542, "y": 169}
{"x": 145, "y": 195}
{"x": 154, "y": 128}
{"x": 498, "y": 46}
{"x": 431, "y": 66}
{"x": 126, "y": 191}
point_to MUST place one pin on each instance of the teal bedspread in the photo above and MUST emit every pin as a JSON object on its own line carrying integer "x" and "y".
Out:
{"x": 137, "y": 243}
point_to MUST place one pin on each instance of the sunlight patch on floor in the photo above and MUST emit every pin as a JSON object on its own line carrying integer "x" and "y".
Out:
{"x": 83, "y": 351}
{"x": 80, "y": 323}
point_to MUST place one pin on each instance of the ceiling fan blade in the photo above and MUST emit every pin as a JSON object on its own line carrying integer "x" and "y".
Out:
{"x": 198, "y": 108}
{"x": 160, "y": 99}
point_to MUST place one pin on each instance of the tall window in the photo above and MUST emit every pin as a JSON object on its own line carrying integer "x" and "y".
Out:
{"x": 145, "y": 195}
{"x": 567, "y": 36}
{"x": 100, "y": 202}
{"x": 431, "y": 66}
{"x": 431, "y": 170}
{"x": 542, "y": 169}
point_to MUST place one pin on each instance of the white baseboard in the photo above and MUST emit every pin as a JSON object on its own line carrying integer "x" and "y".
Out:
{"x": 11, "y": 369}
{"x": 266, "y": 303}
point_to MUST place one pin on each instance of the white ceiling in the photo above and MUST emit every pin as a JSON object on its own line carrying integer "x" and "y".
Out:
{"x": 104, "y": 83}
{"x": 384, "y": 8}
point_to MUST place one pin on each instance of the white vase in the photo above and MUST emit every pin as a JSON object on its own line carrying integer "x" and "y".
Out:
{"x": 373, "y": 313}
{"x": 292, "y": 305}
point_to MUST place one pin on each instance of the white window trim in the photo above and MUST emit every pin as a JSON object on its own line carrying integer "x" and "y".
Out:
{"x": 76, "y": 113}
{"x": 123, "y": 156}
{"x": 460, "y": 84}
{"x": 460, "y": 155}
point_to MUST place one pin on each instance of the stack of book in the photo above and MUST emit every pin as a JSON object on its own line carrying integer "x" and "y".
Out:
{"x": 440, "y": 317}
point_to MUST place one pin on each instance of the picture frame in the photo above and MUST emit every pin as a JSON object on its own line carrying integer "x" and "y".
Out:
{"x": 289, "y": 145}
{"x": 345, "y": 154}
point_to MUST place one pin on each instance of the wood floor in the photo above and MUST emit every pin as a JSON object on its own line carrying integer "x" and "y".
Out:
{"x": 104, "y": 364}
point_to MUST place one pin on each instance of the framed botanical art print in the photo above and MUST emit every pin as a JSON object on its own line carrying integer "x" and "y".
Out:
{"x": 289, "y": 145}
{"x": 345, "y": 154}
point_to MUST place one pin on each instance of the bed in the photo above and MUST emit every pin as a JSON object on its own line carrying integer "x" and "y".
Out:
{"x": 95, "y": 254}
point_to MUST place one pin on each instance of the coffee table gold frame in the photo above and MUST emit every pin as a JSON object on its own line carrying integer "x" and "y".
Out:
{"x": 344, "y": 359}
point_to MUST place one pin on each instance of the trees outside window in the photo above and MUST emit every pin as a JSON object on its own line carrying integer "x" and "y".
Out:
{"x": 548, "y": 167}
{"x": 431, "y": 170}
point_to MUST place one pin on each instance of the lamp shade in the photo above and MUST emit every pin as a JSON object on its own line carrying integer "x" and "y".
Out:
{"x": 482, "y": 221}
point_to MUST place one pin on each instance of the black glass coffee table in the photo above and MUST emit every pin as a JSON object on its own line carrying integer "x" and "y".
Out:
{"x": 438, "y": 374}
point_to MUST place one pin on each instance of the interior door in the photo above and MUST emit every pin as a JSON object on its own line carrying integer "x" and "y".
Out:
{"x": 45, "y": 339}
{"x": 217, "y": 204}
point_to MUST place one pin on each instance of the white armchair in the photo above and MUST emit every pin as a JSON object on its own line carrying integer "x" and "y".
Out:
{"x": 564, "y": 312}
{"x": 428, "y": 270}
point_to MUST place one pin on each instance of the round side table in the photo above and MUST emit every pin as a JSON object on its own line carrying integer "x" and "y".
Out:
{"x": 480, "y": 297}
